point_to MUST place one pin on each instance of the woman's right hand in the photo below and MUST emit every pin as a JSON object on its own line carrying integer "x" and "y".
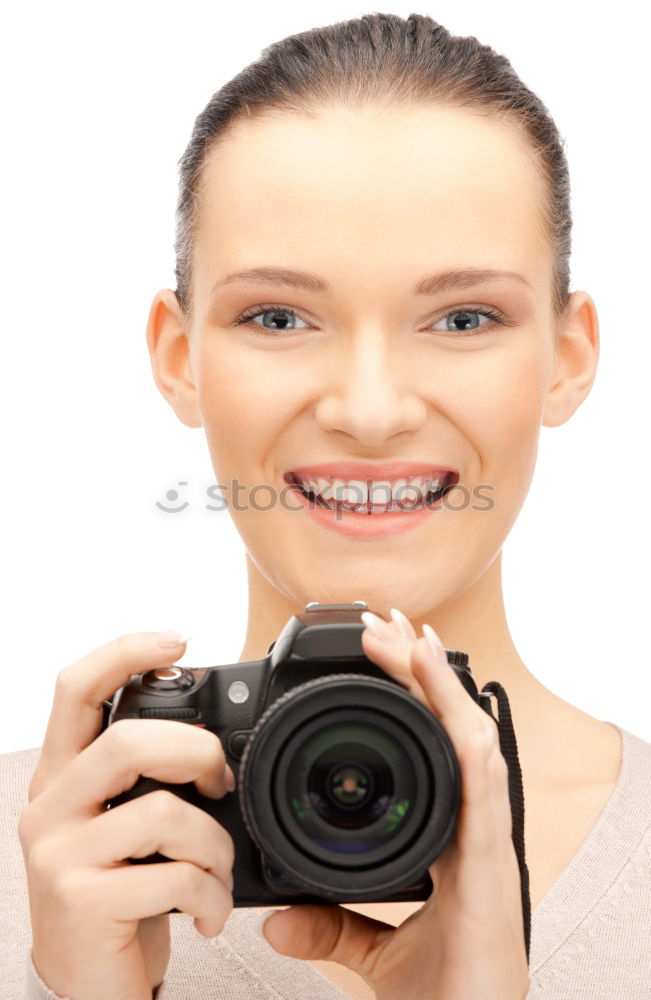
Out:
{"x": 100, "y": 925}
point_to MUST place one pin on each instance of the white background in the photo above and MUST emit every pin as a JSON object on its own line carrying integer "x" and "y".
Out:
{"x": 98, "y": 105}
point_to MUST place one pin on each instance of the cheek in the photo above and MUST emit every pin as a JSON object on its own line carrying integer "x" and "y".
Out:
{"x": 245, "y": 399}
{"x": 508, "y": 398}
{"x": 504, "y": 391}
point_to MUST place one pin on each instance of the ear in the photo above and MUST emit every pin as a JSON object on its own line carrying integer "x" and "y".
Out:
{"x": 169, "y": 353}
{"x": 576, "y": 355}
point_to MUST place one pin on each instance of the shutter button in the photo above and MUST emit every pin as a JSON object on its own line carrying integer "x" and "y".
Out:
{"x": 168, "y": 679}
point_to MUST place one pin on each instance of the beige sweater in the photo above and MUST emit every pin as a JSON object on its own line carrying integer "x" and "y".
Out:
{"x": 590, "y": 935}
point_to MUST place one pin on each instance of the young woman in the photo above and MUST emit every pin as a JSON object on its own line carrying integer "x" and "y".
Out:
{"x": 372, "y": 287}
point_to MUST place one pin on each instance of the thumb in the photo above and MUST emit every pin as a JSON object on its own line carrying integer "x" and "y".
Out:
{"x": 331, "y": 932}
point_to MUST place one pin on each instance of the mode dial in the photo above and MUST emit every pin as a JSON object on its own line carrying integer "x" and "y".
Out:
{"x": 167, "y": 679}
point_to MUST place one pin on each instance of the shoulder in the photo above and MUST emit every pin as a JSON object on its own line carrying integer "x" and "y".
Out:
{"x": 626, "y": 820}
{"x": 636, "y": 766}
{"x": 637, "y": 744}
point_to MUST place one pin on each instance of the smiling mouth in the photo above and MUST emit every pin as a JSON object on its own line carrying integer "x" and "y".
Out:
{"x": 414, "y": 495}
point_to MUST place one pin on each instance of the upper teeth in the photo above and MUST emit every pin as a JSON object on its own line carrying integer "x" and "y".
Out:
{"x": 358, "y": 491}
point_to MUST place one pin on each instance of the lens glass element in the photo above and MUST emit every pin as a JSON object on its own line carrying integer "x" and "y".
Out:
{"x": 351, "y": 786}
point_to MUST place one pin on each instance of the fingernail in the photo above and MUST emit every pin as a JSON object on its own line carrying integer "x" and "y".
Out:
{"x": 230, "y": 778}
{"x": 402, "y": 622}
{"x": 433, "y": 641}
{"x": 379, "y": 628}
{"x": 172, "y": 638}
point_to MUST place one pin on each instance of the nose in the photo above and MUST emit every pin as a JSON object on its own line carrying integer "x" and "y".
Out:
{"x": 372, "y": 398}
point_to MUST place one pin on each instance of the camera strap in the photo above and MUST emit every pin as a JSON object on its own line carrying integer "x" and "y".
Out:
{"x": 509, "y": 748}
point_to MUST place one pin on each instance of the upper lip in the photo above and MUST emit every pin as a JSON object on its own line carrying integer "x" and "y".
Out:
{"x": 364, "y": 470}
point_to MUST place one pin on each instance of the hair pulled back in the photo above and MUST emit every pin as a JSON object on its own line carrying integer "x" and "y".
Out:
{"x": 380, "y": 60}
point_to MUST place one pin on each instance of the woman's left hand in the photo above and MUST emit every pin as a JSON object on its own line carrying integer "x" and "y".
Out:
{"x": 466, "y": 942}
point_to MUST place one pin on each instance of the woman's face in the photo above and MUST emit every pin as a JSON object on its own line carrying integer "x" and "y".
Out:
{"x": 367, "y": 371}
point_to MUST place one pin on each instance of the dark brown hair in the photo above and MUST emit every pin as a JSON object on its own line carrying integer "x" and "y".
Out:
{"x": 380, "y": 60}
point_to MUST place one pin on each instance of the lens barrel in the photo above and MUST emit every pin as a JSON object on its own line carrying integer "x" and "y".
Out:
{"x": 351, "y": 785}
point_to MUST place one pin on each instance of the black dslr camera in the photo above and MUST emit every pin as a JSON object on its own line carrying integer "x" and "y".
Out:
{"x": 348, "y": 788}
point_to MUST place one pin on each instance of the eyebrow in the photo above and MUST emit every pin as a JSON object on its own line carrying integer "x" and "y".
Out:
{"x": 441, "y": 282}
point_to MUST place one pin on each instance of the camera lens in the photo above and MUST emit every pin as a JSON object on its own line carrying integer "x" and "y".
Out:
{"x": 349, "y": 785}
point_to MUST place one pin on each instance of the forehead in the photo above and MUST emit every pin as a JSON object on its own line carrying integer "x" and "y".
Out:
{"x": 349, "y": 186}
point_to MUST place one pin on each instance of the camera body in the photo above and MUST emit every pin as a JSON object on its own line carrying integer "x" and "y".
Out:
{"x": 348, "y": 788}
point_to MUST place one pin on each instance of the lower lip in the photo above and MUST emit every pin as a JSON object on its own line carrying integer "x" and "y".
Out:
{"x": 347, "y": 522}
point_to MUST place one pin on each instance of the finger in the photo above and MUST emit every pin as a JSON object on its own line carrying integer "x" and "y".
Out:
{"x": 422, "y": 667}
{"x": 461, "y": 716}
{"x": 429, "y": 678}
{"x": 477, "y": 830}
{"x": 479, "y": 866}
{"x": 485, "y": 865}
{"x": 132, "y": 892}
{"x": 469, "y": 727}
{"x": 81, "y": 688}
{"x": 403, "y": 624}
{"x": 332, "y": 933}
{"x": 485, "y": 822}
{"x": 158, "y": 821}
{"x": 385, "y": 645}
{"x": 163, "y": 749}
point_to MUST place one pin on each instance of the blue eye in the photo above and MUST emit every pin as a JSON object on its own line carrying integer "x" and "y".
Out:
{"x": 463, "y": 316}
{"x": 274, "y": 311}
